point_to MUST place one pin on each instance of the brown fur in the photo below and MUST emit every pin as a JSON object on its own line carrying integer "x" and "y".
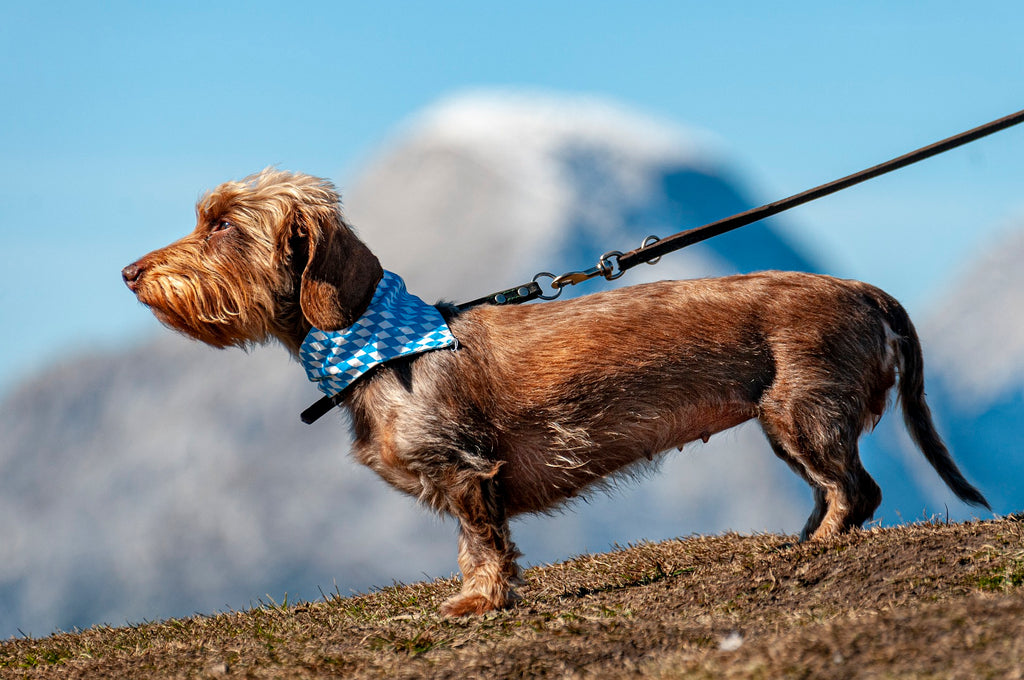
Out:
{"x": 543, "y": 401}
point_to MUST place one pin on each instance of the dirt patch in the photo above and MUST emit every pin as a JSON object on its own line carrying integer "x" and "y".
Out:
{"x": 928, "y": 600}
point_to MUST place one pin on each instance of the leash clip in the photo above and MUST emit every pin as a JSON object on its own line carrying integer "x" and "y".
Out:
{"x": 607, "y": 266}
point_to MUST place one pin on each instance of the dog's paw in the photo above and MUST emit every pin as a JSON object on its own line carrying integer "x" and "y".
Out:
{"x": 465, "y": 604}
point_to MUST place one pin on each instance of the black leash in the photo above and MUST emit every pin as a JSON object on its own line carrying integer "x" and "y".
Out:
{"x": 614, "y": 263}
{"x": 691, "y": 236}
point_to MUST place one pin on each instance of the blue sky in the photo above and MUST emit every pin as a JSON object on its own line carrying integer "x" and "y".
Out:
{"x": 117, "y": 115}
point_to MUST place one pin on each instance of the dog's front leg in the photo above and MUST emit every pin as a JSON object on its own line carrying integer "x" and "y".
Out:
{"x": 487, "y": 555}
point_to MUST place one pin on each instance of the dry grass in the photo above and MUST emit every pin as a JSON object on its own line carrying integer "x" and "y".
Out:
{"x": 922, "y": 601}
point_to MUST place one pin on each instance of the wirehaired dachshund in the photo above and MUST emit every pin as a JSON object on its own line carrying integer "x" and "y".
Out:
{"x": 540, "y": 402}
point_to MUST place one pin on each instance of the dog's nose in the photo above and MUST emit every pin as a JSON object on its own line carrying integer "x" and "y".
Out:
{"x": 131, "y": 275}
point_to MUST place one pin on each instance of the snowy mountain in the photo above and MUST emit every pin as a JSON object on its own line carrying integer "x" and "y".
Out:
{"x": 170, "y": 478}
{"x": 547, "y": 183}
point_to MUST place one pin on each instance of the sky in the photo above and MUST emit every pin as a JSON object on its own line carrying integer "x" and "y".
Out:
{"x": 116, "y": 116}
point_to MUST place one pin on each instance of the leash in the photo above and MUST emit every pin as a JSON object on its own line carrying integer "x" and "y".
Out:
{"x": 615, "y": 263}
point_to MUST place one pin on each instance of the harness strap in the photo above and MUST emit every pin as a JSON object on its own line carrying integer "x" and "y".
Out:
{"x": 322, "y": 406}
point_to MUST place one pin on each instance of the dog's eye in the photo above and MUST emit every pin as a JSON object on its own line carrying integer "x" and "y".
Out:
{"x": 218, "y": 227}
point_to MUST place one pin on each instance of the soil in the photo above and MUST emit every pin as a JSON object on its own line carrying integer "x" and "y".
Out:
{"x": 928, "y": 600}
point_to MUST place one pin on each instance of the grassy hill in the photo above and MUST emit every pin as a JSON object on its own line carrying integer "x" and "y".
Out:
{"x": 926, "y": 600}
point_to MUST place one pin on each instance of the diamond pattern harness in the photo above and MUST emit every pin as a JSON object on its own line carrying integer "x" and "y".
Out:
{"x": 396, "y": 324}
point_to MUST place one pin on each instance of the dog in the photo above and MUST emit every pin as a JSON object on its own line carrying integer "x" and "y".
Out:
{"x": 538, "y": 403}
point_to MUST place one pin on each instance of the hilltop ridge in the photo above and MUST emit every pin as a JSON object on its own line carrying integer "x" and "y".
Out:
{"x": 924, "y": 600}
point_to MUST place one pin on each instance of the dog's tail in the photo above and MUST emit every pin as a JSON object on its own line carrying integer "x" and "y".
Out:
{"x": 916, "y": 414}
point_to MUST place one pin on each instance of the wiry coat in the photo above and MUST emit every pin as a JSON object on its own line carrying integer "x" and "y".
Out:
{"x": 541, "y": 401}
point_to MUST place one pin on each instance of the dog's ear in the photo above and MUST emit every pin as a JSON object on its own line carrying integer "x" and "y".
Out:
{"x": 341, "y": 274}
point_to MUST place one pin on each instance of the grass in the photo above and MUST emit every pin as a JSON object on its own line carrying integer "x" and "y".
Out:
{"x": 928, "y": 600}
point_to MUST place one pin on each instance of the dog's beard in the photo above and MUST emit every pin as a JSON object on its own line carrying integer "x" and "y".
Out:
{"x": 210, "y": 312}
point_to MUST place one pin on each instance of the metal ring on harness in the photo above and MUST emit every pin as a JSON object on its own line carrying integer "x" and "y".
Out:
{"x": 649, "y": 241}
{"x": 558, "y": 291}
{"x": 609, "y": 265}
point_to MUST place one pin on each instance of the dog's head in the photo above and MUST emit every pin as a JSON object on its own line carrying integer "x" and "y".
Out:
{"x": 270, "y": 256}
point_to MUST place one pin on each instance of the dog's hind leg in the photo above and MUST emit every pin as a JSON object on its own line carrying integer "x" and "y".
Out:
{"x": 868, "y": 496}
{"x": 825, "y": 454}
{"x": 487, "y": 555}
{"x": 851, "y": 496}
{"x": 820, "y": 505}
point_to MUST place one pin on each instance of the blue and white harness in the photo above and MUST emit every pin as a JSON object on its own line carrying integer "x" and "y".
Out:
{"x": 396, "y": 324}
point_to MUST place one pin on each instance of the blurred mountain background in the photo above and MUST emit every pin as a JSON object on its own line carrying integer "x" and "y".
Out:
{"x": 475, "y": 144}
{"x": 162, "y": 477}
